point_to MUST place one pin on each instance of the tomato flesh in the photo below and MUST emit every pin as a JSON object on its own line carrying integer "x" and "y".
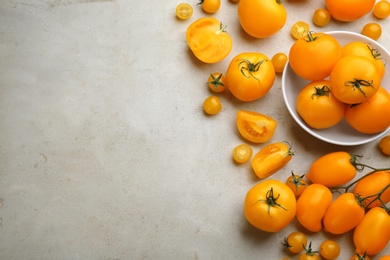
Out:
{"x": 255, "y": 127}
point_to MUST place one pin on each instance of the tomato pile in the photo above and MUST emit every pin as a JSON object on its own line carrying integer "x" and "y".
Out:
{"x": 344, "y": 82}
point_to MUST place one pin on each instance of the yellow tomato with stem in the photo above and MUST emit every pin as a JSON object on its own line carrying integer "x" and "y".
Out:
{"x": 212, "y": 105}
{"x": 216, "y": 82}
{"x": 295, "y": 242}
{"x": 296, "y": 183}
{"x": 210, "y": 6}
{"x": 329, "y": 249}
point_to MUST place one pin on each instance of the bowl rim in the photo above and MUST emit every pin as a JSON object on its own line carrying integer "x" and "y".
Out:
{"x": 299, "y": 120}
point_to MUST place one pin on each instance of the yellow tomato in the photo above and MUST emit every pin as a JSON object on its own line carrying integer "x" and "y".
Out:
{"x": 255, "y": 127}
{"x": 372, "y": 30}
{"x": 321, "y": 17}
{"x": 242, "y": 153}
{"x": 349, "y": 10}
{"x": 210, "y": 6}
{"x": 212, "y": 105}
{"x": 279, "y": 61}
{"x": 384, "y": 145}
{"x": 216, "y": 82}
{"x": 299, "y": 29}
{"x": 261, "y": 18}
{"x": 382, "y": 9}
{"x": 184, "y": 11}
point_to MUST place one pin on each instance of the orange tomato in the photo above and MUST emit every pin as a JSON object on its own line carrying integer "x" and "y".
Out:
{"x": 184, "y": 11}
{"x": 349, "y": 10}
{"x": 382, "y": 9}
{"x": 261, "y": 18}
{"x": 208, "y": 40}
{"x": 271, "y": 158}
{"x": 296, "y": 183}
{"x": 255, "y": 127}
{"x": 358, "y": 256}
{"x": 372, "y": 115}
{"x": 210, "y": 6}
{"x": 372, "y": 184}
{"x": 372, "y": 234}
{"x": 250, "y": 75}
{"x": 354, "y": 79}
{"x": 270, "y": 206}
{"x": 386, "y": 257}
{"x": 372, "y": 30}
{"x": 216, "y": 82}
{"x": 384, "y": 145}
{"x": 299, "y": 29}
{"x": 333, "y": 169}
{"x": 343, "y": 214}
{"x": 313, "y": 56}
{"x": 312, "y": 205}
{"x": 321, "y": 17}
{"x": 318, "y": 107}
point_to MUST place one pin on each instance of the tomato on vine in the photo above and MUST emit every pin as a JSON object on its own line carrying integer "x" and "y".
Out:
{"x": 279, "y": 61}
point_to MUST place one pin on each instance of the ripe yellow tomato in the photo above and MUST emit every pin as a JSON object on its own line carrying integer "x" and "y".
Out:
{"x": 184, "y": 11}
{"x": 312, "y": 205}
{"x": 371, "y": 185}
{"x": 210, "y": 6}
{"x": 261, "y": 18}
{"x": 343, "y": 214}
{"x": 349, "y": 10}
{"x": 279, "y": 61}
{"x": 354, "y": 79}
{"x": 317, "y": 105}
{"x": 271, "y": 158}
{"x": 384, "y": 145}
{"x": 295, "y": 242}
{"x": 250, "y": 75}
{"x": 296, "y": 183}
{"x": 309, "y": 254}
{"x": 299, "y": 29}
{"x": 216, "y": 82}
{"x": 208, "y": 40}
{"x": 255, "y": 127}
{"x": 321, "y": 17}
{"x": 386, "y": 257}
{"x": 212, "y": 105}
{"x": 372, "y": 115}
{"x": 329, "y": 249}
{"x": 372, "y": 234}
{"x": 242, "y": 153}
{"x": 313, "y": 56}
{"x": 358, "y": 256}
{"x": 270, "y": 206}
{"x": 372, "y": 30}
{"x": 333, "y": 169}
{"x": 382, "y": 9}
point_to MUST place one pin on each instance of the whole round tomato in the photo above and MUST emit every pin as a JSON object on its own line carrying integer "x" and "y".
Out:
{"x": 321, "y": 17}
{"x": 309, "y": 254}
{"x": 382, "y": 9}
{"x": 208, "y": 40}
{"x": 313, "y": 56}
{"x": 279, "y": 61}
{"x": 270, "y": 205}
{"x": 384, "y": 145}
{"x": 210, "y": 6}
{"x": 212, "y": 105}
{"x": 318, "y": 107}
{"x": 255, "y": 127}
{"x": 296, "y": 183}
{"x": 216, "y": 82}
{"x": 358, "y": 256}
{"x": 329, "y": 249}
{"x": 295, "y": 242}
{"x": 343, "y": 214}
{"x": 349, "y": 10}
{"x": 333, "y": 169}
{"x": 372, "y": 30}
{"x": 271, "y": 158}
{"x": 261, "y": 18}
{"x": 372, "y": 234}
{"x": 372, "y": 115}
{"x": 312, "y": 205}
{"x": 250, "y": 75}
{"x": 184, "y": 11}
{"x": 354, "y": 79}
{"x": 372, "y": 184}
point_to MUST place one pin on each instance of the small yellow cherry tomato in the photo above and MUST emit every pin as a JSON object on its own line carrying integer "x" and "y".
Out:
{"x": 384, "y": 145}
{"x": 329, "y": 249}
{"x": 321, "y": 17}
{"x": 242, "y": 153}
{"x": 216, "y": 82}
{"x": 296, "y": 183}
{"x": 184, "y": 11}
{"x": 299, "y": 29}
{"x": 212, "y": 105}
{"x": 210, "y": 6}
{"x": 372, "y": 30}
{"x": 295, "y": 242}
{"x": 279, "y": 60}
{"x": 381, "y": 9}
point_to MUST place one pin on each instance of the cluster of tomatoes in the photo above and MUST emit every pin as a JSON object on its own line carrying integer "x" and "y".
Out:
{"x": 328, "y": 197}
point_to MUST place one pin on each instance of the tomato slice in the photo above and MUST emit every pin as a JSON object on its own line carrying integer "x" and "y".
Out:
{"x": 242, "y": 153}
{"x": 255, "y": 127}
{"x": 184, "y": 11}
{"x": 299, "y": 29}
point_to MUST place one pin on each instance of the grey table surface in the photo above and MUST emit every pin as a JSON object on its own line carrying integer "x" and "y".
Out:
{"x": 105, "y": 152}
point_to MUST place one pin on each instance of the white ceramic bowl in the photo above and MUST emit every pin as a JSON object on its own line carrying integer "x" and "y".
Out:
{"x": 342, "y": 133}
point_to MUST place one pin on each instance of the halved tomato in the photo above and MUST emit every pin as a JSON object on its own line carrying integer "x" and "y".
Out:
{"x": 255, "y": 127}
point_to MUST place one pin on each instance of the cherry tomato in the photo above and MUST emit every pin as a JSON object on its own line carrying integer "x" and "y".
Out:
{"x": 250, "y": 75}
{"x": 184, "y": 11}
{"x": 270, "y": 205}
{"x": 312, "y": 205}
{"x": 216, "y": 82}
{"x": 354, "y": 79}
{"x": 309, "y": 254}
{"x": 255, "y": 127}
{"x": 295, "y": 242}
{"x": 384, "y": 145}
{"x": 381, "y": 9}
{"x": 358, "y": 256}
{"x": 372, "y": 115}
{"x": 210, "y": 6}
{"x": 208, "y": 40}
{"x": 296, "y": 183}
{"x": 372, "y": 234}
{"x": 349, "y": 10}
{"x": 386, "y": 257}
{"x": 317, "y": 105}
{"x": 271, "y": 158}
{"x": 242, "y": 153}
{"x": 313, "y": 56}
{"x": 212, "y": 105}
{"x": 261, "y": 18}
{"x": 333, "y": 169}
{"x": 279, "y": 61}
{"x": 299, "y": 29}
{"x": 371, "y": 185}
{"x": 321, "y": 17}
{"x": 372, "y": 30}
{"x": 343, "y": 214}
{"x": 329, "y": 249}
